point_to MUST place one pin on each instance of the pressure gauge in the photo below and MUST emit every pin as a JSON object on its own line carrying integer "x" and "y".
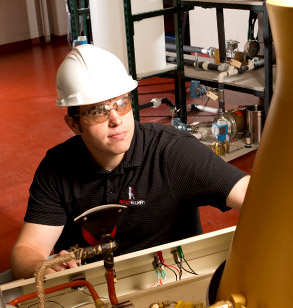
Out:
{"x": 251, "y": 48}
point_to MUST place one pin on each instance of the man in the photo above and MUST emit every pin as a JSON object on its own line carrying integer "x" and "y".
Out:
{"x": 160, "y": 173}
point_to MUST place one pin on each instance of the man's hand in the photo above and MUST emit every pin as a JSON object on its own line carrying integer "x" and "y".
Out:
{"x": 63, "y": 266}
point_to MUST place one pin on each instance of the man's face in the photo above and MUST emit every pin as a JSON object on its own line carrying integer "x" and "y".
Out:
{"x": 111, "y": 137}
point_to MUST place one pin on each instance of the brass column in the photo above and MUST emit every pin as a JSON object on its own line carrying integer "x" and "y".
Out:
{"x": 260, "y": 262}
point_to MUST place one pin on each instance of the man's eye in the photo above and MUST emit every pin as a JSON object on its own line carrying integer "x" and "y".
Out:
{"x": 96, "y": 111}
{"x": 121, "y": 103}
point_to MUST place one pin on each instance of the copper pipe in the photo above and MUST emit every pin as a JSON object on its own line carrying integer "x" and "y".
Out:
{"x": 73, "y": 255}
{"x": 111, "y": 286}
{"x": 71, "y": 284}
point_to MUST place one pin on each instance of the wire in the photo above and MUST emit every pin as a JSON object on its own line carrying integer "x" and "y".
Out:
{"x": 180, "y": 266}
{"x": 178, "y": 257}
{"x": 191, "y": 270}
{"x": 159, "y": 281}
{"x": 170, "y": 268}
{"x": 206, "y": 102}
{"x": 47, "y": 301}
{"x": 81, "y": 304}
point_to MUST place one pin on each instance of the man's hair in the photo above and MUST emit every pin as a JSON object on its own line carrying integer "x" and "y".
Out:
{"x": 73, "y": 111}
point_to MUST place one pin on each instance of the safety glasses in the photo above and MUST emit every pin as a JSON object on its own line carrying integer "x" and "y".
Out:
{"x": 100, "y": 112}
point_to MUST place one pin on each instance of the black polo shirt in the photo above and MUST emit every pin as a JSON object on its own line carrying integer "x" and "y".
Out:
{"x": 163, "y": 179}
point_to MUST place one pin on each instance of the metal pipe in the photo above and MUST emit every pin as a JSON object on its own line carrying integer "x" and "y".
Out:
{"x": 205, "y": 108}
{"x": 191, "y": 49}
{"x": 111, "y": 288}
{"x": 212, "y": 66}
{"x": 71, "y": 284}
{"x": 146, "y": 105}
{"x": 172, "y": 59}
{"x": 252, "y": 65}
{"x": 156, "y": 102}
{"x": 172, "y": 47}
{"x": 202, "y": 64}
{"x": 231, "y": 71}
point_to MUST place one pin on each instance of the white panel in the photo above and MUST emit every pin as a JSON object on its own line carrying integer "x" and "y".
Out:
{"x": 108, "y": 28}
{"x": 203, "y": 27}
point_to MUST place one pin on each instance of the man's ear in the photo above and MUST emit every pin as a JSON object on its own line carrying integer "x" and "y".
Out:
{"x": 72, "y": 124}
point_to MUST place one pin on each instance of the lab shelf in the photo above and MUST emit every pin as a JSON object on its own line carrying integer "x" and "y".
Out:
{"x": 258, "y": 82}
{"x": 239, "y": 83}
{"x": 251, "y": 82}
{"x": 177, "y": 71}
{"x": 169, "y": 68}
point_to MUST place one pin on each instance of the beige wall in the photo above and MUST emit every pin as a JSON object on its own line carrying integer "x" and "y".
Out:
{"x": 203, "y": 27}
{"x": 22, "y": 19}
{"x": 58, "y": 17}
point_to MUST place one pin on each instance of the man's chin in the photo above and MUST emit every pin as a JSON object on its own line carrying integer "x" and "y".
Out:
{"x": 120, "y": 150}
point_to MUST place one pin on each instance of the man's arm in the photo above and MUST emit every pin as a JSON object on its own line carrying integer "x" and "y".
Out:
{"x": 236, "y": 196}
{"x": 33, "y": 246}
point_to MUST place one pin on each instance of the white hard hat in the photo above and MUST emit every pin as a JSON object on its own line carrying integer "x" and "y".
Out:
{"x": 90, "y": 75}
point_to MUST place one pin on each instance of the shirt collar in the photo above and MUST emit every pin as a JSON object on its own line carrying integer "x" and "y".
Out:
{"x": 133, "y": 156}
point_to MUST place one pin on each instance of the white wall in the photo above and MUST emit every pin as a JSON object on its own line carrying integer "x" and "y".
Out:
{"x": 57, "y": 17}
{"x": 203, "y": 27}
{"x": 21, "y": 19}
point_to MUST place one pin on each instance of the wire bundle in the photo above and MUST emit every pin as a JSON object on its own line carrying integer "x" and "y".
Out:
{"x": 160, "y": 265}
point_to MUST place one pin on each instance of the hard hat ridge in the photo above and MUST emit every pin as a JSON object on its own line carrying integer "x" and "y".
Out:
{"x": 90, "y": 75}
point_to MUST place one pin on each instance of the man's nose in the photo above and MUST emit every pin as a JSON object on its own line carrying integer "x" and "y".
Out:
{"x": 114, "y": 117}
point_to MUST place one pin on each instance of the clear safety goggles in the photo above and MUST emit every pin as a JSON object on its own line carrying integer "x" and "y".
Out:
{"x": 100, "y": 112}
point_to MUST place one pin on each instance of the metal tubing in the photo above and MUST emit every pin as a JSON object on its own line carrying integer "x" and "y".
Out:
{"x": 186, "y": 61}
{"x": 210, "y": 66}
{"x": 256, "y": 64}
{"x": 71, "y": 284}
{"x": 172, "y": 47}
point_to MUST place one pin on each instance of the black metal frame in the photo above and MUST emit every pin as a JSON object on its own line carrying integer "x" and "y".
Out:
{"x": 78, "y": 8}
{"x": 176, "y": 10}
{"x": 244, "y": 5}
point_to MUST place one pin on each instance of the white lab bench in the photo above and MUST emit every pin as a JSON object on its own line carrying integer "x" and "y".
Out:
{"x": 136, "y": 275}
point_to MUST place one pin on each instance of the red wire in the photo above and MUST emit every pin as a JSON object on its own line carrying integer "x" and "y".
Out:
{"x": 160, "y": 255}
{"x": 66, "y": 285}
{"x": 172, "y": 267}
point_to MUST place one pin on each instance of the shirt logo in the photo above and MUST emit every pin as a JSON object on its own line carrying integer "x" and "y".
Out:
{"x": 131, "y": 193}
{"x": 131, "y": 198}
